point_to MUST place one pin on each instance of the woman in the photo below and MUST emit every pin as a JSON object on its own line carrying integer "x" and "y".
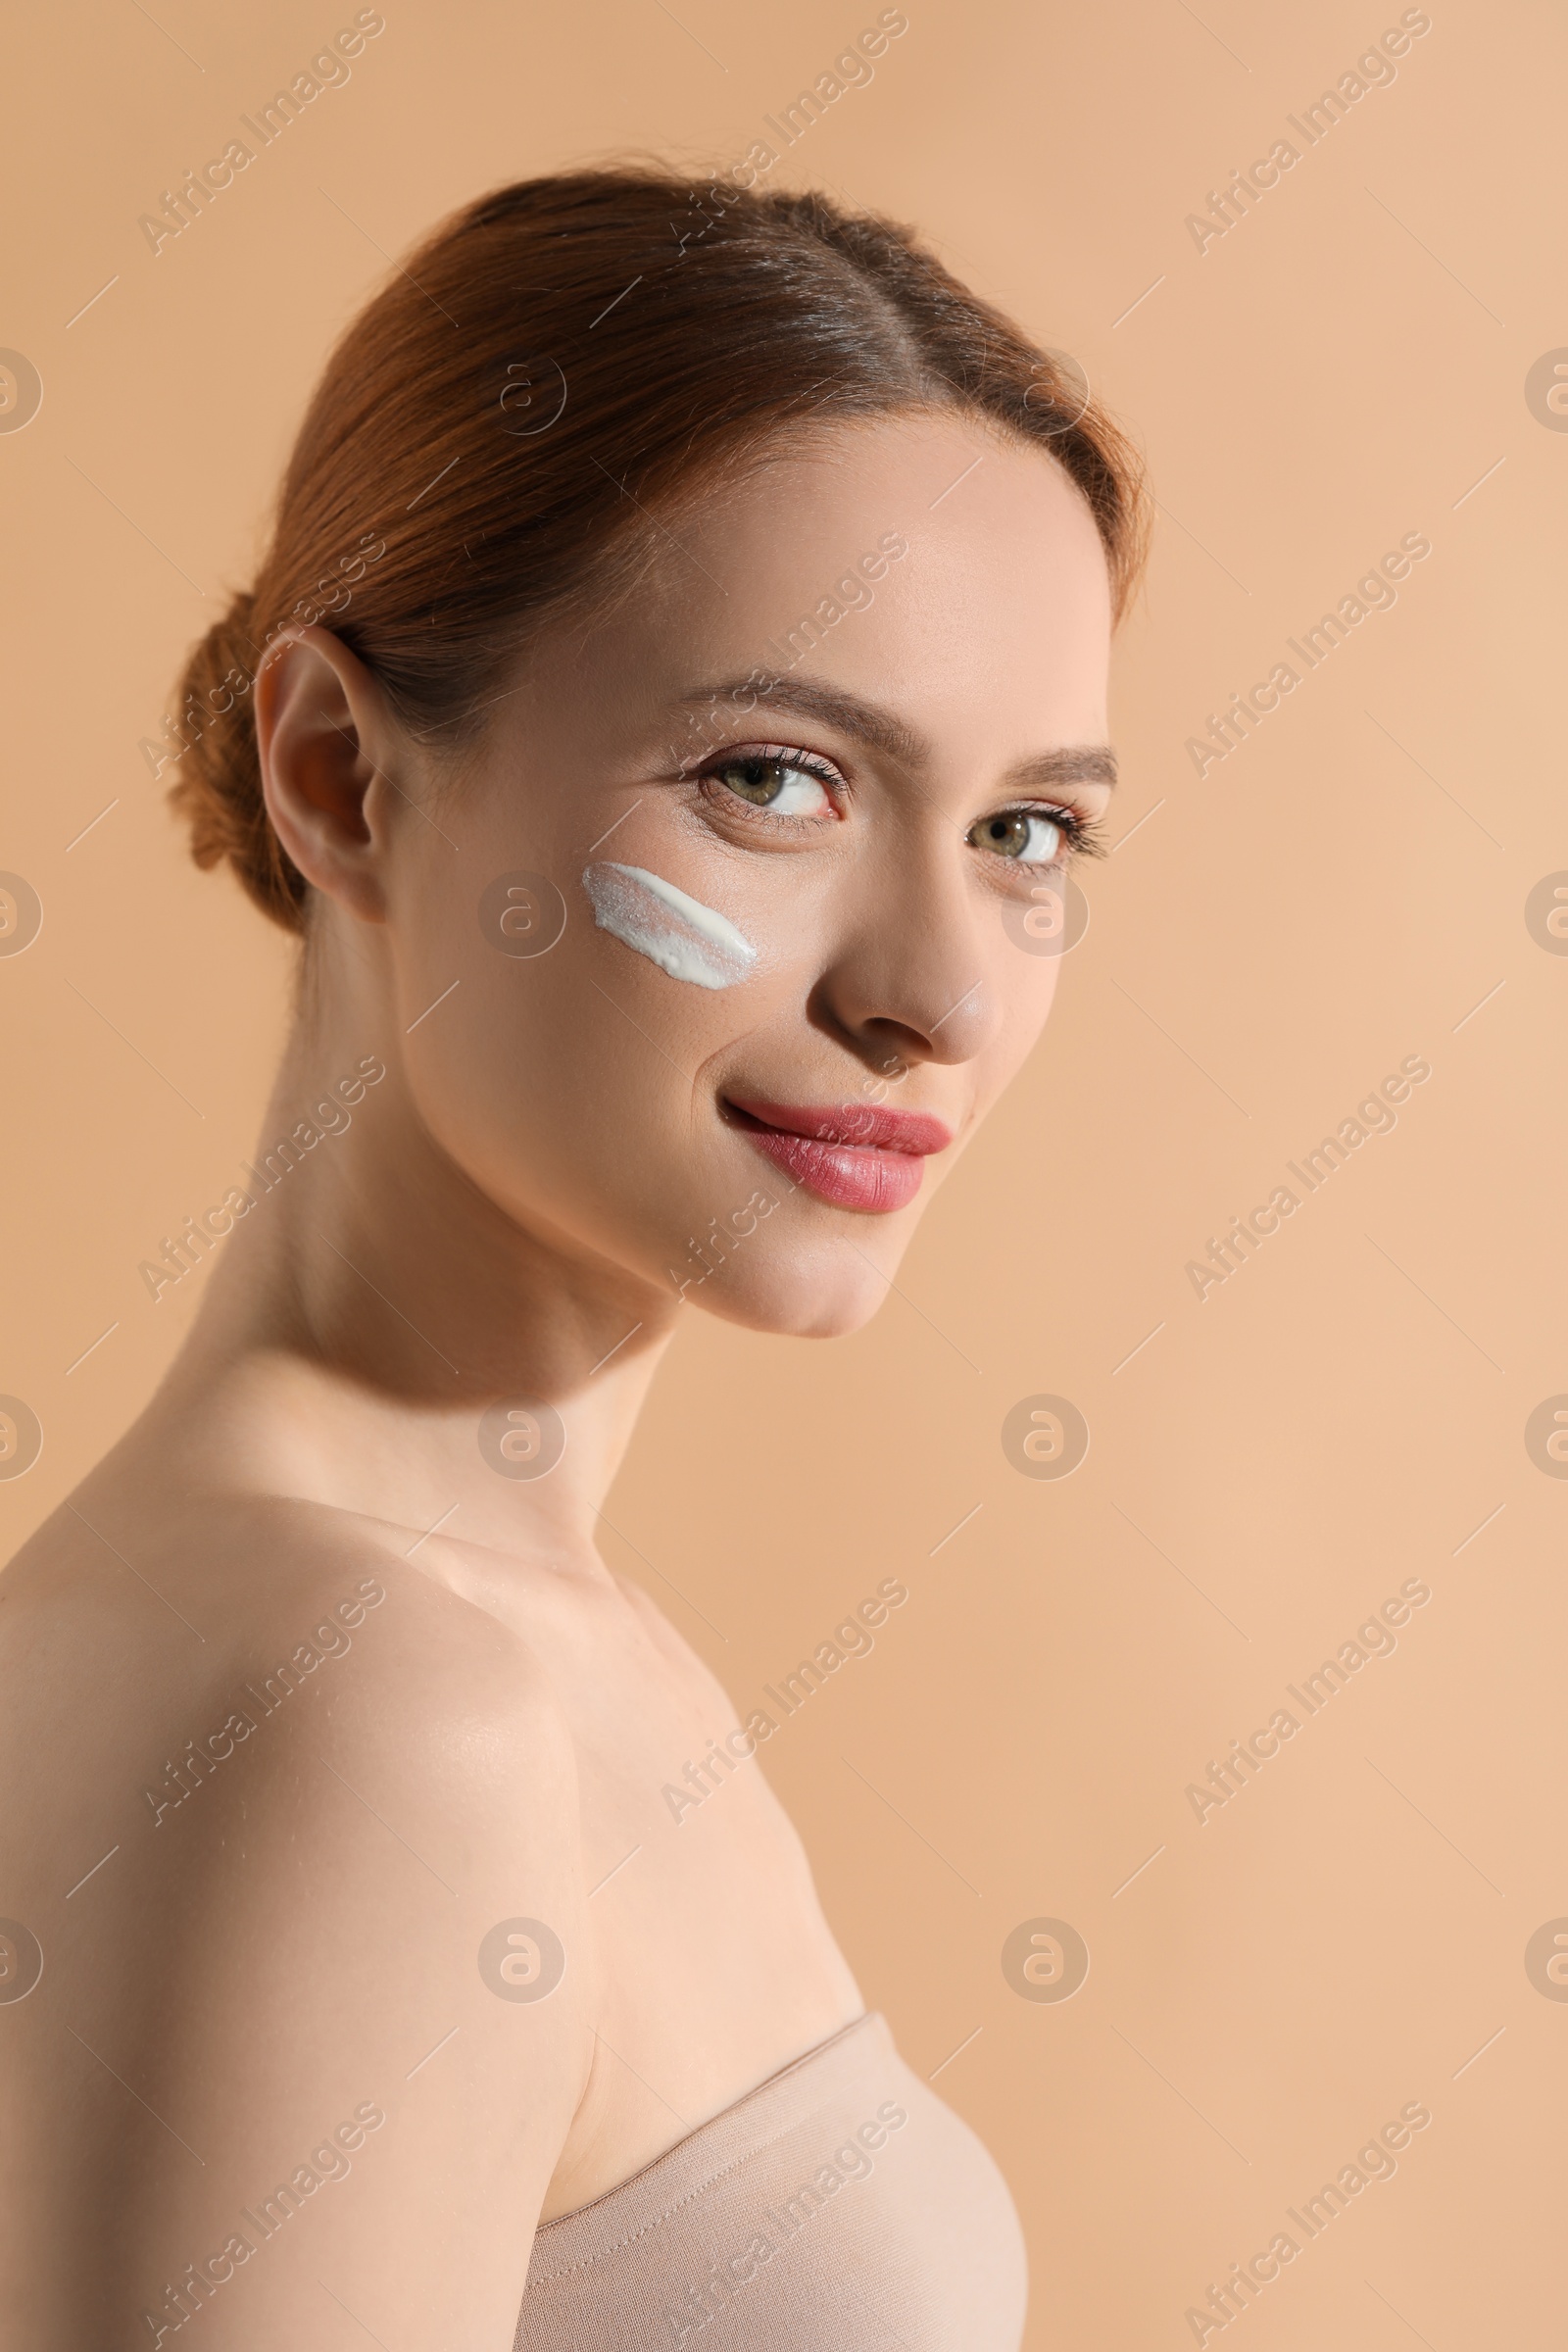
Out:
{"x": 672, "y": 696}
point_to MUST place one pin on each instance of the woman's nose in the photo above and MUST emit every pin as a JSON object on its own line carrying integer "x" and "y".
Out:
{"x": 918, "y": 977}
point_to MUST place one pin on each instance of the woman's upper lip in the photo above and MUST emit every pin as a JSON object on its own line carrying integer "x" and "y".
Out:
{"x": 870, "y": 1125}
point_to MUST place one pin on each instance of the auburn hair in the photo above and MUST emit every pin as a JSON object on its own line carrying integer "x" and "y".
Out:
{"x": 553, "y": 363}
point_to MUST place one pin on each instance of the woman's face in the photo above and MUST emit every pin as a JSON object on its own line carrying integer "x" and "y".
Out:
{"x": 754, "y": 887}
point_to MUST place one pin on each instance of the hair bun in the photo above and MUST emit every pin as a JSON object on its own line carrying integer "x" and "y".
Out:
{"x": 218, "y": 793}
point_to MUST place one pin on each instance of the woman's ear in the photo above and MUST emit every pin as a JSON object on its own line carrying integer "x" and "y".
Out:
{"x": 324, "y": 732}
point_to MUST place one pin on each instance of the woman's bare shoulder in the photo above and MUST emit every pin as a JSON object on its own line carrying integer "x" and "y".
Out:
{"x": 293, "y": 1838}
{"x": 231, "y": 1574}
{"x": 165, "y": 1646}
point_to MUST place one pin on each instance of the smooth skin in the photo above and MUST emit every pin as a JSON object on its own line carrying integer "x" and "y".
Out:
{"x": 295, "y": 1941}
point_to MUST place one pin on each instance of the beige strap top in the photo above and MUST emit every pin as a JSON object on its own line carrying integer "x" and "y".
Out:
{"x": 840, "y": 2207}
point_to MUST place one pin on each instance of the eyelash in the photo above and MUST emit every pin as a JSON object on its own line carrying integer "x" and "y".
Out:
{"x": 1083, "y": 835}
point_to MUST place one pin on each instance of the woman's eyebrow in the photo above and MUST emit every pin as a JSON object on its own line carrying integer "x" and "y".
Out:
{"x": 1074, "y": 764}
{"x": 874, "y": 724}
{"x": 868, "y": 722}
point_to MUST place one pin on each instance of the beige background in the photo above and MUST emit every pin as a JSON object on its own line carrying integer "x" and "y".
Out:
{"x": 1342, "y": 892}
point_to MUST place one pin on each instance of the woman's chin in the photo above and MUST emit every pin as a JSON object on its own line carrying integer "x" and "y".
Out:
{"x": 822, "y": 1293}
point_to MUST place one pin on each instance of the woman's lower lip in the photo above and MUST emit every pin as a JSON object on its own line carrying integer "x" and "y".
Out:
{"x": 849, "y": 1175}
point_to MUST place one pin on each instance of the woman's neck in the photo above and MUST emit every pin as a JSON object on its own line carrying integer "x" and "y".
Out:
{"x": 376, "y": 1332}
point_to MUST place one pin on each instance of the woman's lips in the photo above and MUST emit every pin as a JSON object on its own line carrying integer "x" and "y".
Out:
{"x": 857, "y": 1156}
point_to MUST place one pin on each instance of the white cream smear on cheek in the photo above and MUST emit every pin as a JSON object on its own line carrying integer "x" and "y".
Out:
{"x": 684, "y": 938}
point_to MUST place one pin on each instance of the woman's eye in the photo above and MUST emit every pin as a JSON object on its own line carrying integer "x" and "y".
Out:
{"x": 1027, "y": 834}
{"x": 775, "y": 785}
